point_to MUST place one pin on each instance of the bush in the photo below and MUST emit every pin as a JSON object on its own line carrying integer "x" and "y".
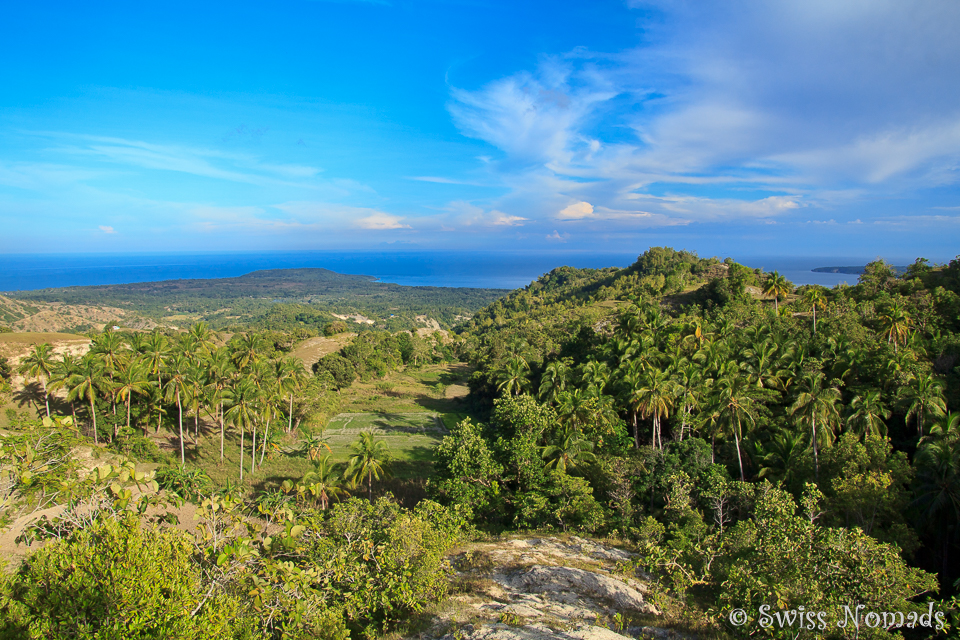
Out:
{"x": 116, "y": 580}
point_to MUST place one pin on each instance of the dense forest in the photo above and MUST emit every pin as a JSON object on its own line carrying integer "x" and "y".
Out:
{"x": 752, "y": 442}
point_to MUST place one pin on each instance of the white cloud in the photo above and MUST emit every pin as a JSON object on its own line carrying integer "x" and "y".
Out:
{"x": 801, "y": 101}
{"x": 107, "y": 229}
{"x": 576, "y": 211}
{"x": 380, "y": 222}
{"x": 556, "y": 236}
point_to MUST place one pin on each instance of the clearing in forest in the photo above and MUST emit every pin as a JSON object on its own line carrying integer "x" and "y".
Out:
{"x": 410, "y": 437}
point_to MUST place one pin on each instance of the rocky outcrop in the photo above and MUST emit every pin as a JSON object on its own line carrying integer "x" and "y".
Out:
{"x": 540, "y": 588}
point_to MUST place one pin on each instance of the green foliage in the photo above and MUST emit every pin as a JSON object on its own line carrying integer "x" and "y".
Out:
{"x": 116, "y": 580}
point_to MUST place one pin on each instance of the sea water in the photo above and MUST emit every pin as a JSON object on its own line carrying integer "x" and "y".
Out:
{"x": 502, "y": 270}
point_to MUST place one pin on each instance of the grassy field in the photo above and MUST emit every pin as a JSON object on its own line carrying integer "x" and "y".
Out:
{"x": 411, "y": 411}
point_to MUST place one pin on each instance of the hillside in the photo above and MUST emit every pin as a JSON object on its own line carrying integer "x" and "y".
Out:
{"x": 281, "y": 299}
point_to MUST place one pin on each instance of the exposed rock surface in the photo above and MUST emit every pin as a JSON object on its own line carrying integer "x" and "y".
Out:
{"x": 545, "y": 588}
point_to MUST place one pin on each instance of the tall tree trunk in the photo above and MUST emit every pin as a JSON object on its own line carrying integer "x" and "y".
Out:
{"x": 253, "y": 450}
{"x": 736, "y": 437}
{"x": 636, "y": 432}
{"x": 183, "y": 457}
{"x": 263, "y": 445}
{"x": 241, "y": 452}
{"x": 159, "y": 402}
{"x": 221, "y": 432}
{"x": 129, "y": 398}
{"x": 46, "y": 396}
{"x": 814, "y": 318}
{"x": 93, "y": 413}
{"x": 290, "y": 415}
{"x": 816, "y": 458}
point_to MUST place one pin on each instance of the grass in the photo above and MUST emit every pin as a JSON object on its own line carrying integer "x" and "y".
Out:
{"x": 410, "y": 410}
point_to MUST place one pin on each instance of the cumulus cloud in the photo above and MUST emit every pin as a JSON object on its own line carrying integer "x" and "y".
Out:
{"x": 576, "y": 211}
{"x": 556, "y": 236}
{"x": 107, "y": 229}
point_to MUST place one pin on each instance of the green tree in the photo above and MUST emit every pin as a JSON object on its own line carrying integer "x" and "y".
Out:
{"x": 40, "y": 364}
{"x": 177, "y": 387}
{"x": 896, "y": 323}
{"x": 370, "y": 461}
{"x": 243, "y": 402}
{"x": 867, "y": 413}
{"x": 817, "y": 404}
{"x": 777, "y": 286}
{"x": 923, "y": 396}
{"x": 568, "y": 451}
{"x": 84, "y": 383}
{"x": 815, "y": 298}
{"x": 132, "y": 379}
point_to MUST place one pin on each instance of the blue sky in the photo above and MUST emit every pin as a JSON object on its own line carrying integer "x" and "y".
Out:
{"x": 748, "y": 128}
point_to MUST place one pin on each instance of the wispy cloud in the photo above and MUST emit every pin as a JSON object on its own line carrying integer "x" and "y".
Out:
{"x": 380, "y": 222}
{"x": 800, "y": 101}
{"x": 107, "y": 229}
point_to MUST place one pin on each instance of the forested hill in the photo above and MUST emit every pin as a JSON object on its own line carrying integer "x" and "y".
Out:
{"x": 698, "y": 407}
{"x": 278, "y": 299}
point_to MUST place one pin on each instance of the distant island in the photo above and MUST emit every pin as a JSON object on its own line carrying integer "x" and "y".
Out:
{"x": 851, "y": 270}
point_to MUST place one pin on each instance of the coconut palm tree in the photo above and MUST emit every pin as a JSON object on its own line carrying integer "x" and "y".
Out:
{"x": 322, "y": 483}
{"x": 654, "y": 398}
{"x": 513, "y": 380}
{"x": 60, "y": 376}
{"x": 156, "y": 353}
{"x": 370, "y": 461}
{"x": 553, "y": 381}
{"x": 777, "y": 286}
{"x": 923, "y": 396}
{"x": 782, "y": 458}
{"x": 243, "y": 402}
{"x": 735, "y": 404}
{"x": 40, "y": 364}
{"x": 220, "y": 371}
{"x": 177, "y": 388}
{"x": 937, "y": 492}
{"x": 84, "y": 383}
{"x": 570, "y": 450}
{"x": 131, "y": 379}
{"x": 867, "y": 413}
{"x": 816, "y": 404}
{"x": 815, "y": 298}
{"x": 896, "y": 324}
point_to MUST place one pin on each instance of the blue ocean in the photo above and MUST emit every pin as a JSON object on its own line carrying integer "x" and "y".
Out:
{"x": 506, "y": 270}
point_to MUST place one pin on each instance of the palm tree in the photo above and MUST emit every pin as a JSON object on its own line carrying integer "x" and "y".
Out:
{"x": 896, "y": 323}
{"x": 131, "y": 378}
{"x": 782, "y": 458}
{"x": 40, "y": 364}
{"x": 570, "y": 450}
{"x": 60, "y": 376}
{"x": 735, "y": 405}
{"x": 220, "y": 372}
{"x": 816, "y": 403}
{"x": 776, "y": 286}
{"x": 199, "y": 338}
{"x": 760, "y": 363}
{"x": 937, "y": 491}
{"x": 815, "y": 298}
{"x": 243, "y": 401}
{"x": 553, "y": 381}
{"x": 946, "y": 429}
{"x": 513, "y": 379}
{"x": 654, "y": 398}
{"x": 867, "y": 414}
{"x": 157, "y": 352}
{"x": 84, "y": 384}
{"x": 288, "y": 375}
{"x": 925, "y": 396}
{"x": 246, "y": 350}
{"x": 177, "y": 388}
{"x": 370, "y": 461}
{"x": 322, "y": 482}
